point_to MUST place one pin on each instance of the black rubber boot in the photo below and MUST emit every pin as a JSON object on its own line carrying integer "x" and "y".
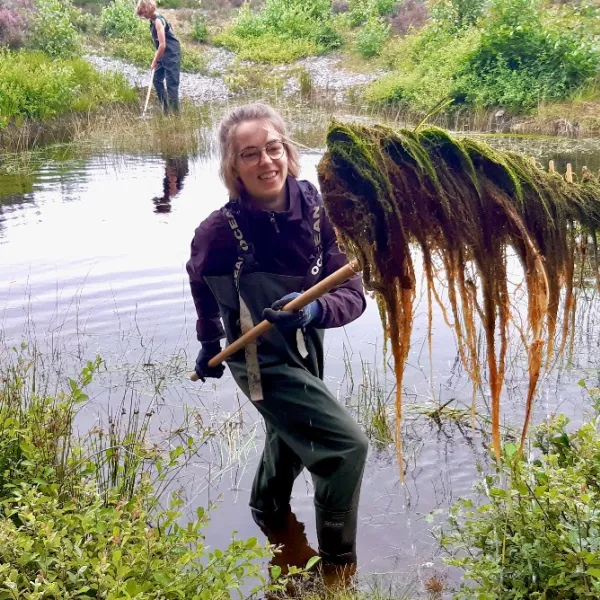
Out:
{"x": 336, "y": 532}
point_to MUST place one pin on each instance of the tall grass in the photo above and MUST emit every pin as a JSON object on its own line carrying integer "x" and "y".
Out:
{"x": 83, "y": 514}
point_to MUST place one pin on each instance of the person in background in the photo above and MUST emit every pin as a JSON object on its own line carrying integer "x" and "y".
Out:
{"x": 167, "y": 59}
{"x": 268, "y": 243}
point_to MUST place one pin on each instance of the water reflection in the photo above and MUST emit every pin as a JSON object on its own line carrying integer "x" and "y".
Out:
{"x": 176, "y": 170}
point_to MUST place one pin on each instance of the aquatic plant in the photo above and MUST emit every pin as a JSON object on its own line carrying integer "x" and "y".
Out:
{"x": 464, "y": 205}
{"x": 532, "y": 532}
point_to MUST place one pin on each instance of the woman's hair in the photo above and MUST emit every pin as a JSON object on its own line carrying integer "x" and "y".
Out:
{"x": 145, "y": 5}
{"x": 228, "y": 129}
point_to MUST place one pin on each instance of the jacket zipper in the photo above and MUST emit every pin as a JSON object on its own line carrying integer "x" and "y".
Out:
{"x": 273, "y": 220}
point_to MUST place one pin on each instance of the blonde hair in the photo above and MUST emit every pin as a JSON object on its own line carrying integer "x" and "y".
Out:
{"x": 145, "y": 4}
{"x": 227, "y": 131}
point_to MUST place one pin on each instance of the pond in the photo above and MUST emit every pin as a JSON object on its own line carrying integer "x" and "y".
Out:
{"x": 92, "y": 261}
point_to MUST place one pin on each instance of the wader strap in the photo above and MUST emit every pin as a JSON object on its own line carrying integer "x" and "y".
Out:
{"x": 314, "y": 272}
{"x": 246, "y": 323}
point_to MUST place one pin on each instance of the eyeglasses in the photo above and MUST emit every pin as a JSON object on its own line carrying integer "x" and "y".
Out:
{"x": 251, "y": 156}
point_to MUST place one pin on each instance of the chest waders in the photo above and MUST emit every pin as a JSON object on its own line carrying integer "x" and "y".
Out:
{"x": 305, "y": 425}
{"x": 168, "y": 68}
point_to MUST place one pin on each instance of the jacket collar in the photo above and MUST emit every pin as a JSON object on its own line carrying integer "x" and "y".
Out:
{"x": 294, "y": 213}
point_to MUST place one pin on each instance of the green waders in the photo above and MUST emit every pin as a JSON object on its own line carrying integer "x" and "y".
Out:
{"x": 306, "y": 426}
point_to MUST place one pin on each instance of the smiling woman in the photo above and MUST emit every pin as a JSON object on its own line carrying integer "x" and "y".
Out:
{"x": 248, "y": 259}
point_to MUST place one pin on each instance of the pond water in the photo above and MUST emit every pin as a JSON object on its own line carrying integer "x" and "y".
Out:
{"x": 92, "y": 261}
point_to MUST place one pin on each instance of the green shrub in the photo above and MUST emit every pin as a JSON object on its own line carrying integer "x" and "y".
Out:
{"x": 52, "y": 31}
{"x": 199, "y": 28}
{"x": 537, "y": 534}
{"x": 425, "y": 65}
{"x": 282, "y": 31}
{"x": 66, "y": 532}
{"x": 520, "y": 54}
{"x": 34, "y": 86}
{"x": 361, "y": 11}
{"x": 457, "y": 14}
{"x": 119, "y": 21}
{"x": 372, "y": 38}
{"x": 267, "y": 48}
{"x": 525, "y": 58}
{"x": 193, "y": 61}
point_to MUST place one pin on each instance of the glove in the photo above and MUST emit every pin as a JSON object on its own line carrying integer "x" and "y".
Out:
{"x": 208, "y": 350}
{"x": 292, "y": 319}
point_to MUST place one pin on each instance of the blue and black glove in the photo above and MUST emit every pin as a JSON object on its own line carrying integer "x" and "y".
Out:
{"x": 208, "y": 350}
{"x": 292, "y": 319}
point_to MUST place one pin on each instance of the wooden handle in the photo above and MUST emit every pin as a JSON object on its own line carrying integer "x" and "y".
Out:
{"x": 318, "y": 290}
{"x": 148, "y": 93}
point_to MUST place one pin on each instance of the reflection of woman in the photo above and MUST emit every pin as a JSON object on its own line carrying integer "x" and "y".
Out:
{"x": 272, "y": 240}
{"x": 167, "y": 59}
{"x": 176, "y": 169}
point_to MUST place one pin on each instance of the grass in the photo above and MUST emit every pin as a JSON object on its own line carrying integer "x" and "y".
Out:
{"x": 118, "y": 128}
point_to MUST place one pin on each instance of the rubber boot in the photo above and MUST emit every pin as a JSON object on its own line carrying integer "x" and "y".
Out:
{"x": 336, "y": 532}
{"x": 283, "y": 530}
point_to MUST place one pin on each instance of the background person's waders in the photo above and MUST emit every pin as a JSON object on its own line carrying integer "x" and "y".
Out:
{"x": 306, "y": 426}
{"x": 168, "y": 67}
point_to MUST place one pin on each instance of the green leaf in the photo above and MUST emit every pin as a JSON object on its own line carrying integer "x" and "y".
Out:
{"x": 275, "y": 572}
{"x": 312, "y": 562}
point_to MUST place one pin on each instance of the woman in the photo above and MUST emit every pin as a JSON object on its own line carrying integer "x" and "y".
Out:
{"x": 271, "y": 241}
{"x": 167, "y": 59}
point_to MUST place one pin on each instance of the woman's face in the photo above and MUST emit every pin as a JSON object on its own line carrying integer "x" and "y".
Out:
{"x": 261, "y": 162}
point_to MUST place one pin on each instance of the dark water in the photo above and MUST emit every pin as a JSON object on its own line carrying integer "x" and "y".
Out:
{"x": 92, "y": 261}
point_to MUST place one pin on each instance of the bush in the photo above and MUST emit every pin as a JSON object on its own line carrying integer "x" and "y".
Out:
{"x": 15, "y": 20}
{"x": 199, "y": 28}
{"x": 425, "y": 65}
{"x": 524, "y": 59}
{"x": 119, "y": 21}
{"x": 34, "y": 86}
{"x": 520, "y": 54}
{"x": 411, "y": 14}
{"x": 66, "y": 532}
{"x": 372, "y": 37}
{"x": 361, "y": 11}
{"x": 267, "y": 48}
{"x": 457, "y": 14}
{"x": 292, "y": 29}
{"x": 537, "y": 535}
{"x": 52, "y": 31}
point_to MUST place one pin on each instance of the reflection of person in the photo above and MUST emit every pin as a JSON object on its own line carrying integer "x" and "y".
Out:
{"x": 270, "y": 241}
{"x": 167, "y": 60}
{"x": 176, "y": 170}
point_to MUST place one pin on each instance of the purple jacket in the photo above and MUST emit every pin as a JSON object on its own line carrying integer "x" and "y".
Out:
{"x": 283, "y": 244}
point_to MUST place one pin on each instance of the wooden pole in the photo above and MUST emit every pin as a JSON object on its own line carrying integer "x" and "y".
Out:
{"x": 148, "y": 93}
{"x": 551, "y": 168}
{"x": 318, "y": 290}
{"x": 569, "y": 173}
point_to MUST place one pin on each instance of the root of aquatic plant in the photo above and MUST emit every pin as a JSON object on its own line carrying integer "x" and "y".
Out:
{"x": 462, "y": 202}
